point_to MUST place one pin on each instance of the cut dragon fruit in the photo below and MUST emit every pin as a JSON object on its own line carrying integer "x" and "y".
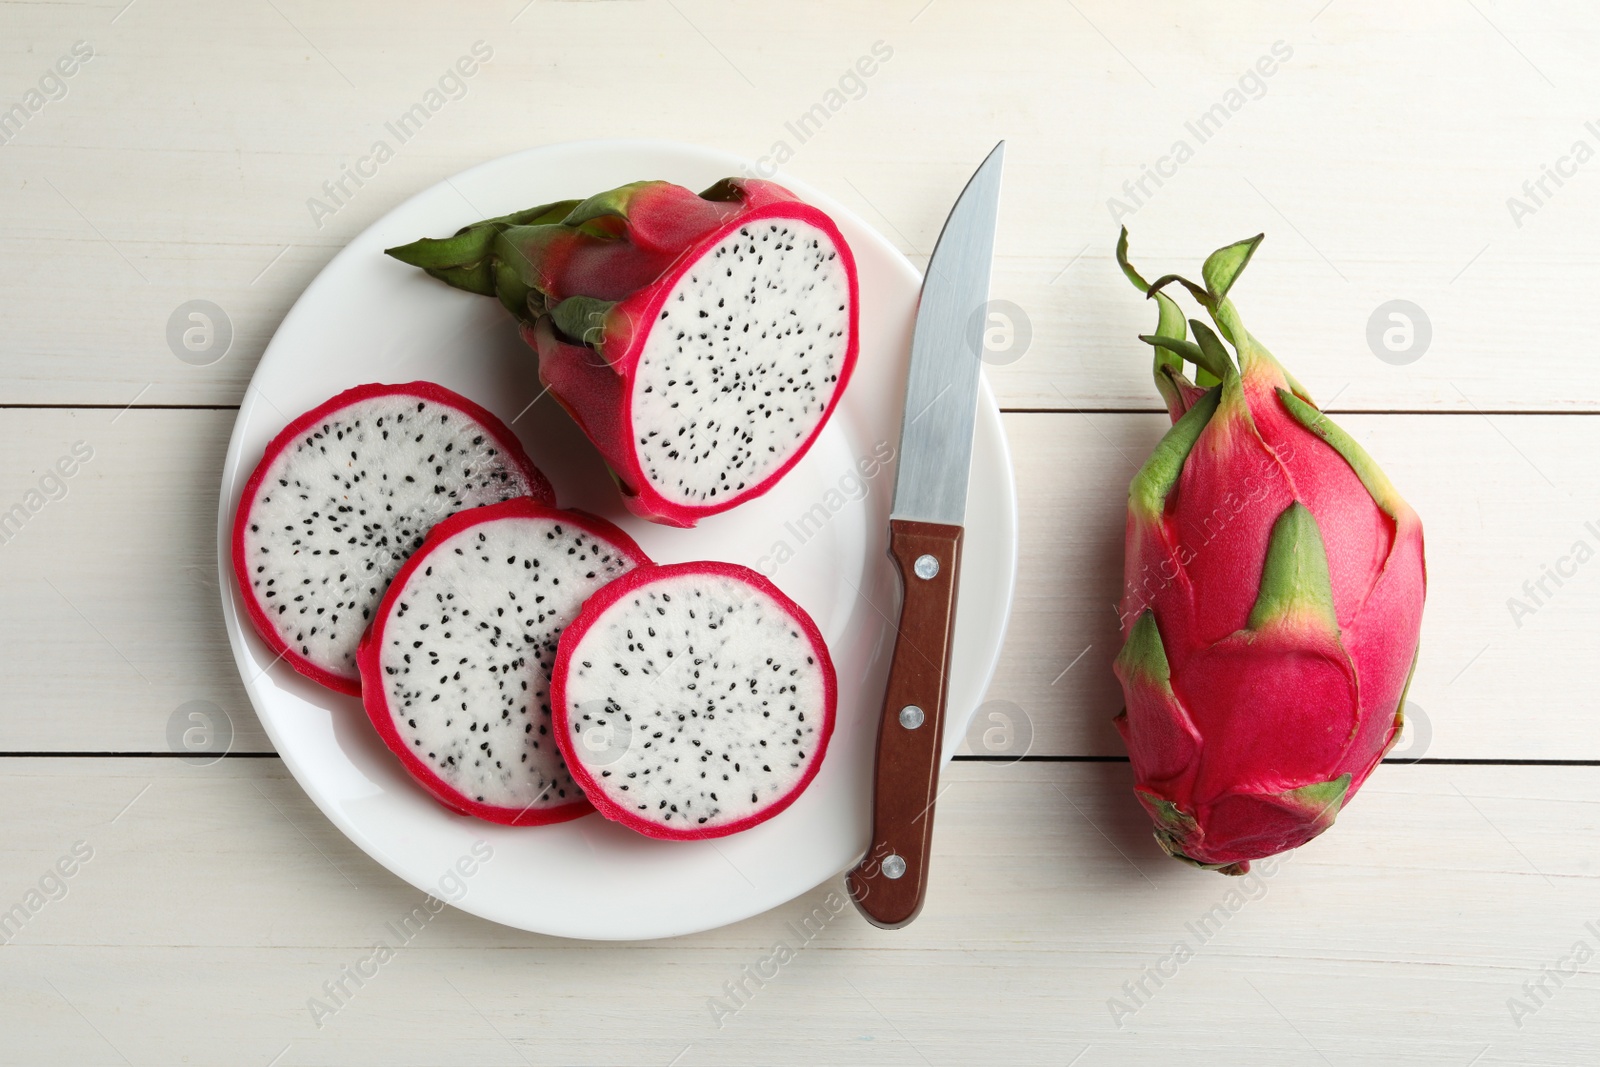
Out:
{"x": 701, "y": 342}
{"x": 692, "y": 700}
{"x": 455, "y": 669}
{"x": 344, "y": 494}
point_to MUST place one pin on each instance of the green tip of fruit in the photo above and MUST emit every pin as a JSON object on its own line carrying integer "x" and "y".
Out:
{"x": 1151, "y": 486}
{"x": 1168, "y": 816}
{"x": 612, "y": 202}
{"x": 1174, "y": 827}
{"x": 1169, "y": 357}
{"x": 1143, "y": 656}
{"x": 1199, "y": 292}
{"x": 1181, "y": 346}
{"x": 461, "y": 261}
{"x": 1320, "y": 801}
{"x": 583, "y": 318}
{"x": 1295, "y": 585}
{"x": 1127, "y": 268}
{"x": 1223, "y": 267}
{"x": 467, "y": 260}
{"x": 1217, "y": 361}
{"x": 1400, "y": 708}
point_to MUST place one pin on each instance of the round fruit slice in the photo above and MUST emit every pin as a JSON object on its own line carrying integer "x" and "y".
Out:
{"x": 344, "y": 494}
{"x": 693, "y": 700}
{"x": 455, "y": 670}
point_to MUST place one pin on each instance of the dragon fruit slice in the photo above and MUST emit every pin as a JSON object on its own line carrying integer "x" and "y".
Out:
{"x": 692, "y": 700}
{"x": 700, "y": 341}
{"x": 344, "y": 494}
{"x": 1272, "y": 602}
{"x": 455, "y": 669}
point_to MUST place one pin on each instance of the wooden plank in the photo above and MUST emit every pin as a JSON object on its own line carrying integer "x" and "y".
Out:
{"x": 219, "y": 903}
{"x": 160, "y": 191}
{"x": 112, "y": 620}
{"x": 109, "y": 619}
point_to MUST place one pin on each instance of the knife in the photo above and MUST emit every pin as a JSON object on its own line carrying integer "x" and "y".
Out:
{"x": 925, "y": 527}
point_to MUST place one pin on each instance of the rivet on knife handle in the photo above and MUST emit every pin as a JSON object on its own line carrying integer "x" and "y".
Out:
{"x": 889, "y": 884}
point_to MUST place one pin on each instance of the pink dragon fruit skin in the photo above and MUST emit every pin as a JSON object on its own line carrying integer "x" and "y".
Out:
{"x": 1274, "y": 583}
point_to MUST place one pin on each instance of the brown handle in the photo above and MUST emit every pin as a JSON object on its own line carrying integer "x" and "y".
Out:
{"x": 889, "y": 884}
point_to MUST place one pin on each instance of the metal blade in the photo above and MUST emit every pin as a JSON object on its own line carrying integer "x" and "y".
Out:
{"x": 946, "y": 355}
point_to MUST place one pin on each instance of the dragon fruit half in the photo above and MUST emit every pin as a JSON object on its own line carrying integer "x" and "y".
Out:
{"x": 692, "y": 700}
{"x": 700, "y": 341}
{"x": 455, "y": 668}
{"x": 1273, "y": 595}
{"x": 344, "y": 494}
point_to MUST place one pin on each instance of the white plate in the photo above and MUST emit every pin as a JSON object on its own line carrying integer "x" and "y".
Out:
{"x": 369, "y": 318}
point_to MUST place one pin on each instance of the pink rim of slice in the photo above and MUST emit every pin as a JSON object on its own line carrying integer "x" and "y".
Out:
{"x": 538, "y": 486}
{"x": 369, "y": 655}
{"x": 592, "y": 612}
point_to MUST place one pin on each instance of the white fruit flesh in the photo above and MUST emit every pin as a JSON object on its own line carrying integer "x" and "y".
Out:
{"x": 467, "y": 650}
{"x": 742, "y": 361}
{"x": 695, "y": 701}
{"x": 341, "y": 508}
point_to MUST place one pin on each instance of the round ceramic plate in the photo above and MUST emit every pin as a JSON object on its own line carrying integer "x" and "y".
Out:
{"x": 821, "y": 535}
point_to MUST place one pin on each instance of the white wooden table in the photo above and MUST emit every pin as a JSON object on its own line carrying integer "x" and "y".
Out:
{"x": 1448, "y": 919}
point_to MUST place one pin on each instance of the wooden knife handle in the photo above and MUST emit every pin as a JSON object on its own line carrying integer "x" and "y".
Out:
{"x": 889, "y": 884}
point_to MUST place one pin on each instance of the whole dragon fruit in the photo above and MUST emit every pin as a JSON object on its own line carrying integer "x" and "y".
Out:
{"x": 700, "y": 341}
{"x": 1273, "y": 595}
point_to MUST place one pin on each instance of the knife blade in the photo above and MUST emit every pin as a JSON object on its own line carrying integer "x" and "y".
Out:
{"x": 925, "y": 533}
